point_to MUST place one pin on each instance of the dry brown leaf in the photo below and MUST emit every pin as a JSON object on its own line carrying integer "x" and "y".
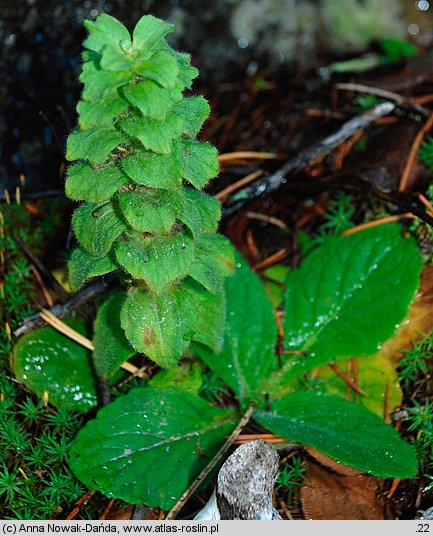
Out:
{"x": 326, "y": 494}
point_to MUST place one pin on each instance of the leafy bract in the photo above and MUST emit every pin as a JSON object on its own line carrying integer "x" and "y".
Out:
{"x": 106, "y": 31}
{"x": 51, "y": 364}
{"x": 148, "y": 32}
{"x": 247, "y": 356}
{"x": 343, "y": 430}
{"x": 342, "y": 301}
{"x": 111, "y": 345}
{"x": 152, "y": 100}
{"x": 151, "y": 211}
{"x": 162, "y": 68}
{"x": 200, "y": 162}
{"x": 85, "y": 183}
{"x": 200, "y": 212}
{"x": 94, "y": 145}
{"x": 154, "y": 170}
{"x": 83, "y": 266}
{"x": 157, "y": 260}
{"x": 99, "y": 84}
{"x": 156, "y": 324}
{"x": 194, "y": 112}
{"x": 213, "y": 261}
{"x": 101, "y": 113}
{"x": 148, "y": 446}
{"x": 97, "y": 226}
{"x": 155, "y": 135}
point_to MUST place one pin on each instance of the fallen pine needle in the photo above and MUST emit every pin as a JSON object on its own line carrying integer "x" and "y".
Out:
{"x": 269, "y": 261}
{"x": 238, "y": 185}
{"x": 250, "y": 155}
{"x": 394, "y": 486}
{"x": 376, "y": 223}
{"x": 60, "y": 326}
{"x": 426, "y": 203}
{"x": 348, "y": 380}
{"x": 404, "y": 179}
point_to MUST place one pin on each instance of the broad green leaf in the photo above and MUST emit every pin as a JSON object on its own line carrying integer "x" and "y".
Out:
{"x": 101, "y": 113}
{"x": 187, "y": 73}
{"x": 205, "y": 313}
{"x": 100, "y": 84}
{"x": 200, "y": 213}
{"x": 162, "y": 68}
{"x": 83, "y": 266}
{"x": 106, "y": 31}
{"x": 112, "y": 347}
{"x": 148, "y": 31}
{"x": 200, "y": 162}
{"x": 115, "y": 60}
{"x": 187, "y": 375}
{"x": 148, "y": 446}
{"x": 343, "y": 430}
{"x": 85, "y": 183}
{"x": 156, "y": 324}
{"x": 274, "y": 278}
{"x": 96, "y": 227}
{"x": 152, "y": 211}
{"x": 157, "y": 260}
{"x": 94, "y": 145}
{"x": 47, "y": 360}
{"x": 342, "y": 301}
{"x": 213, "y": 261}
{"x": 154, "y": 134}
{"x": 194, "y": 111}
{"x": 247, "y": 355}
{"x": 155, "y": 170}
{"x": 151, "y": 99}
{"x": 376, "y": 375}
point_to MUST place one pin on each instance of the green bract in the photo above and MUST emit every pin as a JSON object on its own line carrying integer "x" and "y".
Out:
{"x": 134, "y": 151}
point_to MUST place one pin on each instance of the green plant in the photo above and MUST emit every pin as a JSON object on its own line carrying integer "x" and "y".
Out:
{"x": 135, "y": 142}
{"x": 148, "y": 445}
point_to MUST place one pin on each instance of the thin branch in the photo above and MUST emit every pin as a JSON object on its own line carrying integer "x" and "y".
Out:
{"x": 275, "y": 180}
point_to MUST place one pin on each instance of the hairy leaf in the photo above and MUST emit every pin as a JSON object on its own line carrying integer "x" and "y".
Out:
{"x": 213, "y": 262}
{"x": 94, "y": 145}
{"x": 194, "y": 111}
{"x": 343, "y": 430}
{"x": 112, "y": 347}
{"x": 342, "y": 301}
{"x": 97, "y": 226}
{"x": 152, "y": 211}
{"x": 85, "y": 183}
{"x": 83, "y": 266}
{"x": 155, "y": 170}
{"x": 155, "y": 135}
{"x": 156, "y": 324}
{"x": 100, "y": 114}
{"x": 47, "y": 361}
{"x": 148, "y": 446}
{"x": 106, "y": 31}
{"x": 162, "y": 68}
{"x": 247, "y": 357}
{"x": 157, "y": 260}
{"x": 187, "y": 73}
{"x": 205, "y": 313}
{"x": 200, "y": 162}
{"x": 149, "y": 31}
{"x": 100, "y": 84}
{"x": 200, "y": 212}
{"x": 152, "y": 100}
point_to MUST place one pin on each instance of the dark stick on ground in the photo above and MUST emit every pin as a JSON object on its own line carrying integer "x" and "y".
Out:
{"x": 268, "y": 184}
{"x": 62, "y": 310}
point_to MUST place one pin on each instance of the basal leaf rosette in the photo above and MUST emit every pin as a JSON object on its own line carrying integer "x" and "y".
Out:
{"x": 137, "y": 170}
